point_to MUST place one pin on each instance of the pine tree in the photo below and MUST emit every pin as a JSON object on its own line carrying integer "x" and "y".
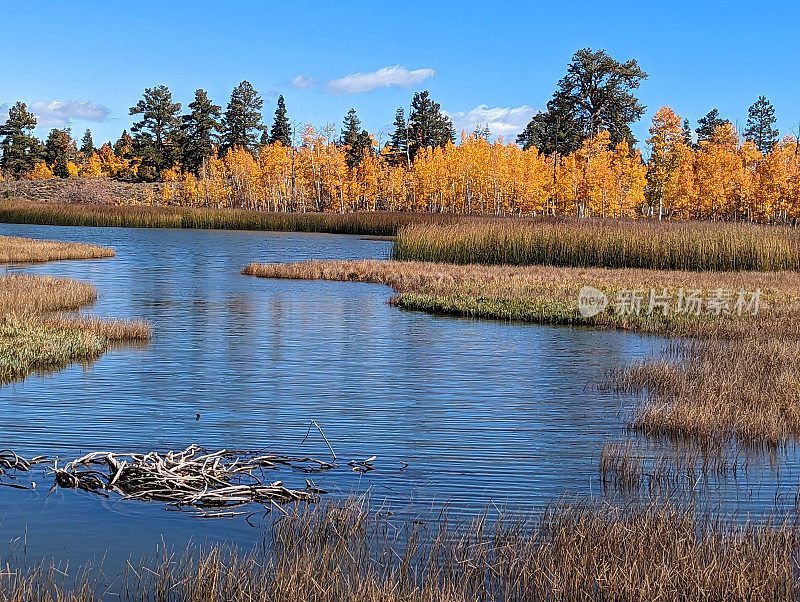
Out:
{"x": 59, "y": 149}
{"x": 598, "y": 92}
{"x": 399, "y": 139}
{"x": 281, "y": 130}
{"x": 354, "y": 139}
{"x": 87, "y": 144}
{"x": 198, "y": 130}
{"x": 706, "y": 126}
{"x": 242, "y": 121}
{"x": 351, "y": 129}
{"x": 157, "y": 131}
{"x": 123, "y": 147}
{"x": 687, "y": 133}
{"x": 556, "y": 130}
{"x": 21, "y": 150}
{"x": 427, "y": 125}
{"x": 759, "y": 129}
{"x": 482, "y": 132}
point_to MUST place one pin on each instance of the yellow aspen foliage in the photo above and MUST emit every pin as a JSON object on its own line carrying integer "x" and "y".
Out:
{"x": 723, "y": 178}
{"x": 667, "y": 172}
{"x": 39, "y": 172}
{"x": 93, "y": 168}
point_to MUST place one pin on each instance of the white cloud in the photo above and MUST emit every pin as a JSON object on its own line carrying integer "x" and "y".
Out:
{"x": 301, "y": 82}
{"x": 356, "y": 83}
{"x": 3, "y": 112}
{"x": 505, "y": 122}
{"x": 59, "y": 113}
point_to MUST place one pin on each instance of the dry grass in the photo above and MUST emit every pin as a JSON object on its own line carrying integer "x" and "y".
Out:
{"x": 379, "y": 223}
{"x": 545, "y": 294}
{"x": 569, "y": 552}
{"x": 14, "y": 249}
{"x": 694, "y": 246}
{"x": 109, "y": 330}
{"x": 27, "y": 294}
{"x": 629, "y": 466}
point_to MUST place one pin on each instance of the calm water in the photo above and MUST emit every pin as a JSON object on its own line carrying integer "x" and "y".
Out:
{"x": 480, "y": 411}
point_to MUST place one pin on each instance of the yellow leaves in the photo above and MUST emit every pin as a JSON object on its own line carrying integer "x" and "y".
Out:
{"x": 93, "y": 168}
{"x": 39, "y": 172}
{"x": 722, "y": 179}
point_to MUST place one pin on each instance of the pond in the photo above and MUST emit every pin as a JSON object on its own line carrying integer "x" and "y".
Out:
{"x": 459, "y": 413}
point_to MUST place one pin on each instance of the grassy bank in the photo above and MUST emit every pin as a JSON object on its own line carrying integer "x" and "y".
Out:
{"x": 132, "y": 216}
{"x": 693, "y": 246}
{"x": 568, "y": 552}
{"x": 34, "y": 338}
{"x": 540, "y": 294}
{"x": 35, "y": 334}
{"x": 729, "y": 376}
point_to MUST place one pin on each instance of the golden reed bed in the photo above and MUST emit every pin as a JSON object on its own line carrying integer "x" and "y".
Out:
{"x": 568, "y": 552}
{"x": 14, "y": 249}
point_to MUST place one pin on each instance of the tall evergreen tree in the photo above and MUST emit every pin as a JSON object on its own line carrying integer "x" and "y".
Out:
{"x": 482, "y": 131}
{"x": 399, "y": 141}
{"x": 355, "y": 139}
{"x": 599, "y": 91}
{"x": 687, "y": 133}
{"x": 59, "y": 150}
{"x": 760, "y": 122}
{"x": 281, "y": 130}
{"x": 427, "y": 125}
{"x": 556, "y": 130}
{"x": 157, "y": 131}
{"x": 595, "y": 94}
{"x": 198, "y": 130}
{"x": 87, "y": 143}
{"x": 351, "y": 129}
{"x": 707, "y": 125}
{"x": 21, "y": 150}
{"x": 242, "y": 121}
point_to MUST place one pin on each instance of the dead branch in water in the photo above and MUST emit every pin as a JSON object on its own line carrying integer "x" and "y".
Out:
{"x": 192, "y": 477}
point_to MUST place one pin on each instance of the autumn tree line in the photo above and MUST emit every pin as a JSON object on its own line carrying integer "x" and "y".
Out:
{"x": 577, "y": 157}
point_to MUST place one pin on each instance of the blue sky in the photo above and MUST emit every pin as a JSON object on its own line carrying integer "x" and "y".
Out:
{"x": 86, "y": 63}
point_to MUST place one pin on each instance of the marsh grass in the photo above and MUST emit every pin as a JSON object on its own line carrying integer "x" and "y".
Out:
{"x": 539, "y": 294}
{"x": 14, "y": 249}
{"x": 630, "y": 466}
{"x": 137, "y": 216}
{"x": 570, "y": 551}
{"x": 35, "y": 334}
{"x": 29, "y": 294}
{"x": 27, "y": 345}
{"x": 691, "y": 246}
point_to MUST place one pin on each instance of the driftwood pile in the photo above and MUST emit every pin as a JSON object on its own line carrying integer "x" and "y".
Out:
{"x": 191, "y": 479}
{"x": 194, "y": 479}
{"x": 188, "y": 478}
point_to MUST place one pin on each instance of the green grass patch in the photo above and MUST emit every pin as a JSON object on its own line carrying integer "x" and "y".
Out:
{"x": 27, "y": 346}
